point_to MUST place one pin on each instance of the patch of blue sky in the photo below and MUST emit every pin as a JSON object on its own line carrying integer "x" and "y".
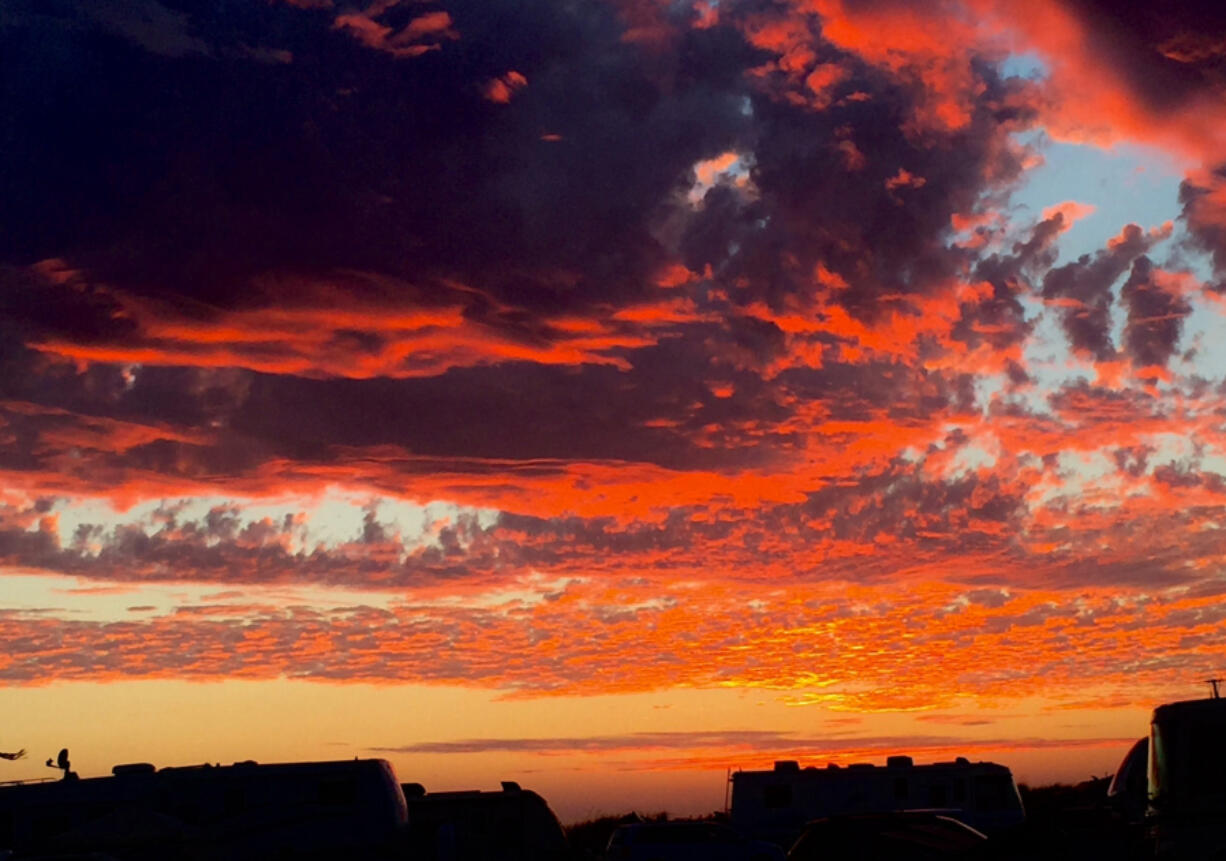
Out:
{"x": 1125, "y": 184}
{"x": 1094, "y": 474}
{"x": 971, "y": 457}
{"x": 75, "y": 598}
{"x": 989, "y": 388}
{"x": 330, "y": 519}
{"x": 707, "y": 173}
{"x": 1170, "y": 447}
{"x": 1204, "y": 340}
{"x": 82, "y": 599}
{"x": 1024, "y": 65}
{"x": 1088, "y": 475}
{"x": 1214, "y": 460}
{"x": 1046, "y": 356}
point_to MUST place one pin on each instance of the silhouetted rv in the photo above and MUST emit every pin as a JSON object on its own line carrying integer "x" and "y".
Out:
{"x": 899, "y": 836}
{"x": 350, "y": 809}
{"x": 512, "y": 824}
{"x": 775, "y": 805}
{"x": 1187, "y": 779}
{"x": 1128, "y": 793}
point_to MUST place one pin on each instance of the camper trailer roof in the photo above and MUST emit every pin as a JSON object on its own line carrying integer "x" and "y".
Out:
{"x": 1185, "y": 708}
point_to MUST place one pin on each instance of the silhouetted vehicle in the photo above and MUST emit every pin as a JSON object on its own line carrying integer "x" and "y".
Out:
{"x": 903, "y": 836}
{"x": 686, "y": 841}
{"x": 1187, "y": 780}
{"x": 349, "y": 809}
{"x": 775, "y": 805}
{"x": 512, "y": 824}
{"x": 1128, "y": 793}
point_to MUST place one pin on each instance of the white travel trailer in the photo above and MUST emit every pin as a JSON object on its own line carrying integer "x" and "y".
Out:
{"x": 776, "y": 804}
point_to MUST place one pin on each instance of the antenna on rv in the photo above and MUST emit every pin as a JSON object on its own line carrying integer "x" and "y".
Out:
{"x": 1214, "y": 683}
{"x": 61, "y": 762}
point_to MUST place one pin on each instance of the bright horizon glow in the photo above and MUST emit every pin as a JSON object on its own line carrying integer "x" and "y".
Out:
{"x": 637, "y": 754}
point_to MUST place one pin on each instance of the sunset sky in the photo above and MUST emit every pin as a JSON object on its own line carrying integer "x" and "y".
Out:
{"x": 605, "y": 393}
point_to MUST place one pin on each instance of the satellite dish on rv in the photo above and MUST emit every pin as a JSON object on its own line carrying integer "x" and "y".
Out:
{"x": 62, "y": 763}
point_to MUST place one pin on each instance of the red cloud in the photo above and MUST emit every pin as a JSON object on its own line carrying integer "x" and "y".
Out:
{"x": 833, "y": 645}
{"x": 321, "y": 333}
{"x": 421, "y": 35}
{"x": 501, "y": 89}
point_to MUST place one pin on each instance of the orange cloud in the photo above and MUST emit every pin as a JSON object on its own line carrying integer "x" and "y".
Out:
{"x": 421, "y": 35}
{"x": 839, "y": 646}
{"x": 321, "y": 335}
{"x": 1069, "y": 211}
{"x": 501, "y": 89}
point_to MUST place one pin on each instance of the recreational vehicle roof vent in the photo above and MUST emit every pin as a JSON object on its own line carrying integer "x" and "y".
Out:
{"x": 510, "y": 786}
{"x": 832, "y": 765}
{"x": 899, "y": 762}
{"x": 962, "y": 760}
{"x": 133, "y": 768}
{"x": 787, "y": 765}
{"x": 412, "y": 790}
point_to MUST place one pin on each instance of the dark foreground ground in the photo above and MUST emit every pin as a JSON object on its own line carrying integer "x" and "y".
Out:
{"x": 1063, "y": 822}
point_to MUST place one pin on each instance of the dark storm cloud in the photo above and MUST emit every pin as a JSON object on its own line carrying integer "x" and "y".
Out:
{"x": 1155, "y": 316}
{"x": 809, "y": 206}
{"x": 183, "y": 174}
{"x": 1011, "y": 275}
{"x": 1085, "y": 288}
{"x": 1166, "y": 53}
{"x": 181, "y": 195}
{"x": 184, "y": 177}
{"x": 1201, "y": 197}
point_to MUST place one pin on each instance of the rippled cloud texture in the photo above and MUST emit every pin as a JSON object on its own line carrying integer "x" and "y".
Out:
{"x": 633, "y": 345}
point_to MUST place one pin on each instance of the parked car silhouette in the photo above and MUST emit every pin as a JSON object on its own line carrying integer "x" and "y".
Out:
{"x": 900, "y": 836}
{"x": 686, "y": 841}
